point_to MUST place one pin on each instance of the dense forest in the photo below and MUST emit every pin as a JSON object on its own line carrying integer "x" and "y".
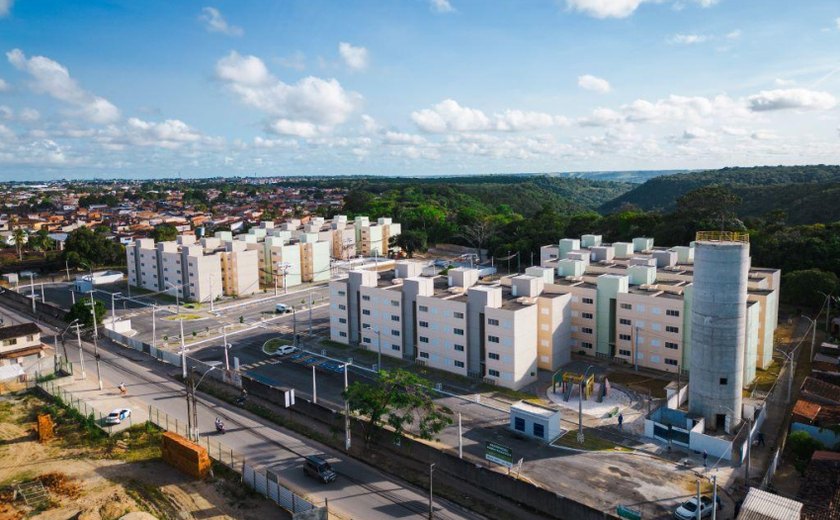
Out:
{"x": 805, "y": 193}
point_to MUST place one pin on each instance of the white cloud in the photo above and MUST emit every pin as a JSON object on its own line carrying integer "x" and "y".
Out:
{"x": 6, "y": 7}
{"x": 593, "y": 83}
{"x": 784, "y": 82}
{"x": 171, "y": 133}
{"x": 4, "y": 87}
{"x": 733, "y": 35}
{"x": 6, "y": 112}
{"x": 687, "y": 39}
{"x": 800, "y": 98}
{"x": 369, "y": 124}
{"x": 52, "y": 78}
{"x": 260, "y": 142}
{"x": 601, "y": 117}
{"x": 707, "y": 3}
{"x": 310, "y": 106}
{"x": 215, "y": 22}
{"x": 837, "y": 22}
{"x": 605, "y": 8}
{"x": 29, "y": 115}
{"x": 449, "y": 116}
{"x": 6, "y": 134}
{"x": 441, "y": 6}
{"x": 297, "y": 128}
{"x": 403, "y": 138}
{"x": 696, "y": 132}
{"x": 296, "y": 60}
{"x": 354, "y": 57}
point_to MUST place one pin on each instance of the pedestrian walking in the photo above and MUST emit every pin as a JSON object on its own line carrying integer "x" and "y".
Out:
{"x": 705, "y": 456}
{"x": 761, "y": 438}
{"x": 620, "y": 421}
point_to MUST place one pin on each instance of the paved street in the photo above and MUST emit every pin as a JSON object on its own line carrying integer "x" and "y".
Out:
{"x": 361, "y": 492}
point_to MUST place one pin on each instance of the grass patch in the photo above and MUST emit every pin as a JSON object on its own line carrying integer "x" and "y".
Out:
{"x": 591, "y": 442}
{"x": 183, "y": 316}
{"x": 502, "y": 392}
{"x": 271, "y": 346}
{"x": 641, "y": 383}
{"x": 764, "y": 379}
{"x": 139, "y": 443}
{"x": 5, "y": 411}
{"x": 192, "y": 306}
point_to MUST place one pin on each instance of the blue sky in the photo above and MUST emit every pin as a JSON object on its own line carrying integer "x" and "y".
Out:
{"x": 159, "y": 88}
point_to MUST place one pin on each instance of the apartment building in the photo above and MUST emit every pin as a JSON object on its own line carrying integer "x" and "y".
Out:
{"x": 20, "y": 345}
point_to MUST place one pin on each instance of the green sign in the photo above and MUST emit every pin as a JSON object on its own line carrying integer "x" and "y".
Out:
{"x": 499, "y": 454}
{"x": 630, "y": 514}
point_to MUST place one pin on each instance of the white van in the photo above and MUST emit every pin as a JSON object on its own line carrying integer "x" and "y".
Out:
{"x": 282, "y": 308}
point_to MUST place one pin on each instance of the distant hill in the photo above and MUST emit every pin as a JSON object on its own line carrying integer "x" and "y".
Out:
{"x": 634, "y": 177}
{"x": 808, "y": 194}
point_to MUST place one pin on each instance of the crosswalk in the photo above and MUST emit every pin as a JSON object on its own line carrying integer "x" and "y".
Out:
{"x": 252, "y": 366}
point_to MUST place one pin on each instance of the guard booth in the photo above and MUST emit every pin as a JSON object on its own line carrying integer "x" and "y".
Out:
{"x": 535, "y": 420}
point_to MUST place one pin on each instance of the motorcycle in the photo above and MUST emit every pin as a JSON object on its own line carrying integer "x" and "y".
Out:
{"x": 220, "y": 428}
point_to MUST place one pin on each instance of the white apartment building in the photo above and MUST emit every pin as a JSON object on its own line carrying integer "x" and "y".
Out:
{"x": 627, "y": 301}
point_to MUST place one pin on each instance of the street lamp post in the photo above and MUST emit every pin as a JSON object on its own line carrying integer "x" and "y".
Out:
{"x": 813, "y": 333}
{"x": 828, "y": 299}
{"x": 192, "y": 405}
{"x": 181, "y": 325}
{"x": 113, "y": 307}
{"x": 225, "y": 346}
{"x": 81, "y": 352}
{"x": 154, "y": 335}
{"x": 792, "y": 369}
{"x": 32, "y": 289}
{"x": 431, "y": 491}
{"x": 580, "y": 436}
{"x": 346, "y": 413}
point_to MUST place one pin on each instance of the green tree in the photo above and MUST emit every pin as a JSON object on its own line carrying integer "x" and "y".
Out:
{"x": 802, "y": 446}
{"x": 397, "y": 399}
{"x": 410, "y": 241}
{"x": 41, "y": 241}
{"x": 164, "y": 233}
{"x": 804, "y": 287}
{"x": 19, "y": 237}
{"x": 86, "y": 246}
{"x": 81, "y": 311}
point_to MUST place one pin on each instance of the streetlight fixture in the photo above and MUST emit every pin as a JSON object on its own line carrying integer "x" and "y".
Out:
{"x": 828, "y": 298}
{"x": 431, "y": 491}
{"x": 378, "y": 344}
{"x": 790, "y": 358}
{"x": 63, "y": 344}
{"x": 346, "y": 413}
{"x": 192, "y": 404}
{"x": 113, "y": 307}
{"x": 181, "y": 325}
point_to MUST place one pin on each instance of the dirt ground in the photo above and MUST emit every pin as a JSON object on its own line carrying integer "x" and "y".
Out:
{"x": 93, "y": 477}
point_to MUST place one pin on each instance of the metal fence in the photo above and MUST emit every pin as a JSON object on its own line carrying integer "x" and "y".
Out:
{"x": 86, "y": 409}
{"x": 260, "y": 480}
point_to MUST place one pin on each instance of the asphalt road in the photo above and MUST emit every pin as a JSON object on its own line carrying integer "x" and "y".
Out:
{"x": 361, "y": 492}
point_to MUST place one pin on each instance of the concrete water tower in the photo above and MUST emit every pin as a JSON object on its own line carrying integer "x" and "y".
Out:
{"x": 718, "y": 321}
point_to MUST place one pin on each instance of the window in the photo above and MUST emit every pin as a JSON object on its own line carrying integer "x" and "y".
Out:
{"x": 394, "y": 317}
{"x": 342, "y": 307}
{"x": 423, "y": 308}
{"x": 459, "y": 364}
{"x": 625, "y": 337}
{"x": 493, "y": 339}
{"x": 669, "y": 328}
{"x": 366, "y": 340}
{"x": 724, "y": 381}
{"x": 492, "y": 321}
{"x": 342, "y": 334}
{"x": 458, "y": 332}
{"x": 656, "y": 310}
{"x": 586, "y": 344}
{"x": 424, "y": 324}
{"x": 459, "y": 348}
{"x": 395, "y": 333}
{"x": 624, "y": 321}
{"x": 342, "y": 320}
{"x": 342, "y": 293}
{"x": 459, "y": 315}
{"x": 672, "y": 362}
{"x": 493, "y": 373}
{"x": 7, "y": 342}
{"x": 586, "y": 330}
{"x": 424, "y": 355}
{"x": 424, "y": 339}
{"x": 493, "y": 355}
{"x": 587, "y": 315}
{"x": 624, "y": 352}
{"x": 366, "y": 312}
{"x": 519, "y": 424}
{"x": 671, "y": 345}
{"x": 30, "y": 338}
{"x": 365, "y": 298}
{"x": 395, "y": 347}
{"x": 626, "y": 306}
{"x": 539, "y": 430}
{"x": 395, "y": 303}
{"x": 672, "y": 312}
{"x": 589, "y": 301}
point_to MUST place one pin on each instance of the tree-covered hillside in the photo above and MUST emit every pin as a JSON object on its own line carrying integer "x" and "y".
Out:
{"x": 803, "y": 192}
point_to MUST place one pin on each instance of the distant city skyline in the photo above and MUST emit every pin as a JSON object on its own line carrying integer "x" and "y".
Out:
{"x": 132, "y": 90}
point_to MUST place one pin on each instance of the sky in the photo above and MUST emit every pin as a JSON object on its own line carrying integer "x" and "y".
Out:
{"x": 155, "y": 88}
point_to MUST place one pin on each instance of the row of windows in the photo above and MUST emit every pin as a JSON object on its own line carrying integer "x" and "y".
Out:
{"x": 654, "y": 310}
{"x": 519, "y": 425}
{"x": 425, "y": 355}
{"x": 457, "y": 315}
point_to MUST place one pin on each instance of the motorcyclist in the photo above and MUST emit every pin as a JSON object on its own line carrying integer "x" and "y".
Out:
{"x": 122, "y": 388}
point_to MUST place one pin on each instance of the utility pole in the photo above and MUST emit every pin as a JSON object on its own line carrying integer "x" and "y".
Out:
{"x": 714, "y": 497}
{"x": 67, "y": 268}
{"x": 460, "y": 438}
{"x": 431, "y": 491}
{"x": 154, "y": 336}
{"x": 183, "y": 350}
{"x": 81, "y": 352}
{"x": 310, "y": 312}
{"x": 314, "y": 387}
{"x": 113, "y": 307}
{"x": 32, "y": 289}
{"x": 749, "y": 448}
{"x": 188, "y": 390}
{"x": 379, "y": 347}
{"x": 698, "y": 500}
{"x": 225, "y": 346}
{"x": 95, "y": 339}
{"x": 636, "y": 349}
{"x": 580, "y": 437}
{"x": 346, "y": 413}
{"x": 294, "y": 326}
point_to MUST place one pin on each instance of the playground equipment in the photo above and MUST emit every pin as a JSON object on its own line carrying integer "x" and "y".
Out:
{"x": 569, "y": 380}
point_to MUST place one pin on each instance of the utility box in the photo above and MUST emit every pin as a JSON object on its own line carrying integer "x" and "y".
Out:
{"x": 535, "y": 420}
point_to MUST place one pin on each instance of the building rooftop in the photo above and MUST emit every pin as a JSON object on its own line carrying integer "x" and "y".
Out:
{"x": 806, "y": 409}
{"x": 821, "y": 389}
{"x": 536, "y": 409}
{"x": 819, "y": 491}
{"x": 761, "y": 505}
{"x": 17, "y": 331}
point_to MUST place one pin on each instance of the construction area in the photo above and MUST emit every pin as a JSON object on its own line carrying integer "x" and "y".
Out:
{"x": 77, "y": 471}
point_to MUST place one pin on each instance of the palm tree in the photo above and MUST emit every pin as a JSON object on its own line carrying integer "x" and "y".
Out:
{"x": 19, "y": 235}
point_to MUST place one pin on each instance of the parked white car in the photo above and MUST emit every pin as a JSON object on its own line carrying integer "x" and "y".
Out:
{"x": 117, "y": 416}
{"x": 285, "y": 350}
{"x": 688, "y": 509}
